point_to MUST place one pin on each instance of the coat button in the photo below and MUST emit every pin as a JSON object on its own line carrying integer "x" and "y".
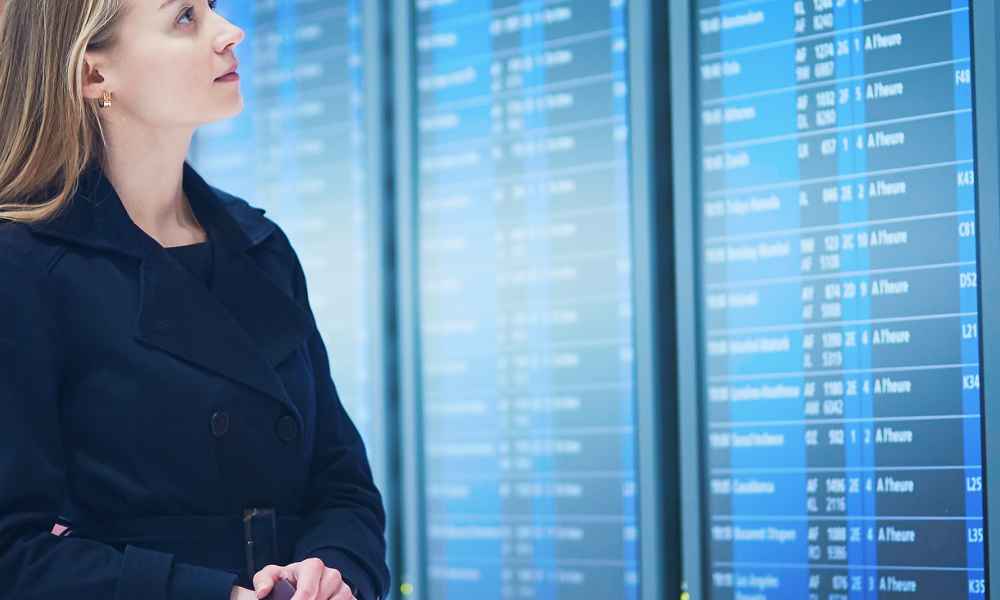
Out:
{"x": 220, "y": 423}
{"x": 287, "y": 428}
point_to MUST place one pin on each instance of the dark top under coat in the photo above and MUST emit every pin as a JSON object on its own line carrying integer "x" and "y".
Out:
{"x": 196, "y": 258}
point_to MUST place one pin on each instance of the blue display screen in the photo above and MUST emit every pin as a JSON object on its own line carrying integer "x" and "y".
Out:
{"x": 527, "y": 374}
{"x": 841, "y": 397}
{"x": 299, "y": 151}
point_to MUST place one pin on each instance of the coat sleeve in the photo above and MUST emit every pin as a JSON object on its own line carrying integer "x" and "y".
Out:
{"x": 345, "y": 516}
{"x": 34, "y": 563}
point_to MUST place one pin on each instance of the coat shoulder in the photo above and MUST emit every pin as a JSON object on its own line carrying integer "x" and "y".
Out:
{"x": 23, "y": 253}
{"x": 272, "y": 246}
{"x": 251, "y": 218}
{"x": 260, "y": 228}
{"x": 25, "y": 263}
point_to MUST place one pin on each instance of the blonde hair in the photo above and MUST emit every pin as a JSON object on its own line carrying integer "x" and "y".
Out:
{"x": 49, "y": 132}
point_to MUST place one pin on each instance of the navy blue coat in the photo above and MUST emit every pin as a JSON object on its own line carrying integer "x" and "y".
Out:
{"x": 152, "y": 414}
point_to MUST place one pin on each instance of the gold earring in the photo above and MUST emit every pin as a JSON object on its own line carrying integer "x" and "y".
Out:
{"x": 106, "y": 100}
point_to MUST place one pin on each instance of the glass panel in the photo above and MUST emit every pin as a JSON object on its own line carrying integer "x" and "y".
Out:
{"x": 526, "y": 299}
{"x": 838, "y": 299}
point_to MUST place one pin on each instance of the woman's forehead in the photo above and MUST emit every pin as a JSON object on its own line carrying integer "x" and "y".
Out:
{"x": 149, "y": 8}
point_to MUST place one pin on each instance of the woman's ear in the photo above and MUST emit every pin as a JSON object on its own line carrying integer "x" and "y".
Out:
{"x": 94, "y": 84}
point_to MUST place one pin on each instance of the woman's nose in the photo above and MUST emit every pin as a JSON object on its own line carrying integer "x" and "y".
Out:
{"x": 230, "y": 38}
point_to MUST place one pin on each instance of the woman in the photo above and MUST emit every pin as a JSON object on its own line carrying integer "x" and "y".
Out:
{"x": 166, "y": 397}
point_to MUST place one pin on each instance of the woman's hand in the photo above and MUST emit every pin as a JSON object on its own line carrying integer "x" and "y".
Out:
{"x": 312, "y": 580}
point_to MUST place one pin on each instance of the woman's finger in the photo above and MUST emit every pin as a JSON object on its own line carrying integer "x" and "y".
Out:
{"x": 263, "y": 580}
{"x": 331, "y": 585}
{"x": 344, "y": 594}
{"x": 308, "y": 574}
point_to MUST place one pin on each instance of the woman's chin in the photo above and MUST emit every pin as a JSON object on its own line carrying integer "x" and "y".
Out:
{"x": 226, "y": 110}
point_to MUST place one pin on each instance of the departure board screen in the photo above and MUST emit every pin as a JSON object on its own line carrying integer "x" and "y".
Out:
{"x": 299, "y": 151}
{"x": 528, "y": 407}
{"x": 841, "y": 403}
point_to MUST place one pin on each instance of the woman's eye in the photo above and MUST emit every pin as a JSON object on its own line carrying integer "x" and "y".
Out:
{"x": 188, "y": 12}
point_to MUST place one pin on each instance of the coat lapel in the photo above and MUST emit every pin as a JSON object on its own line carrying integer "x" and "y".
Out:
{"x": 242, "y": 327}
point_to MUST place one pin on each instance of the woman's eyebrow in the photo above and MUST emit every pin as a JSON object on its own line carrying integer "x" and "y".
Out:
{"x": 166, "y": 3}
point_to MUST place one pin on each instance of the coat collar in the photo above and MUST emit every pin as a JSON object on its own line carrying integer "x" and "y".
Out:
{"x": 95, "y": 216}
{"x": 241, "y": 327}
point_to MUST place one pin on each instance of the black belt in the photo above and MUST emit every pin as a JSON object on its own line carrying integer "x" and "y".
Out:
{"x": 241, "y": 544}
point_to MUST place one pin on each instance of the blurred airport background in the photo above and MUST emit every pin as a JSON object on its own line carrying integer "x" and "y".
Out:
{"x": 644, "y": 299}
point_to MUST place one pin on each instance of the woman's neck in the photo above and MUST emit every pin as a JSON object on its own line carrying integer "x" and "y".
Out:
{"x": 146, "y": 169}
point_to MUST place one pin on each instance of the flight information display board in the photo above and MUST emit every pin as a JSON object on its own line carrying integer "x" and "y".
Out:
{"x": 299, "y": 151}
{"x": 840, "y": 396}
{"x": 527, "y": 374}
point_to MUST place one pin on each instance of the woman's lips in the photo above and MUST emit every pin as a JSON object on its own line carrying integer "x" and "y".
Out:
{"x": 234, "y": 76}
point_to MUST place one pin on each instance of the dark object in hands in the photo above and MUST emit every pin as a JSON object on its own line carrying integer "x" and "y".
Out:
{"x": 282, "y": 591}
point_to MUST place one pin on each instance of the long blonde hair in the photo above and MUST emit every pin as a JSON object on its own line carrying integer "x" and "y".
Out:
{"x": 49, "y": 133}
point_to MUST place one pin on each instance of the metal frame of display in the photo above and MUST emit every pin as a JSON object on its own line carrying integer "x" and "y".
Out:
{"x": 412, "y": 577}
{"x": 652, "y": 280}
{"x": 382, "y": 281}
{"x": 683, "y": 138}
{"x": 985, "y": 20}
